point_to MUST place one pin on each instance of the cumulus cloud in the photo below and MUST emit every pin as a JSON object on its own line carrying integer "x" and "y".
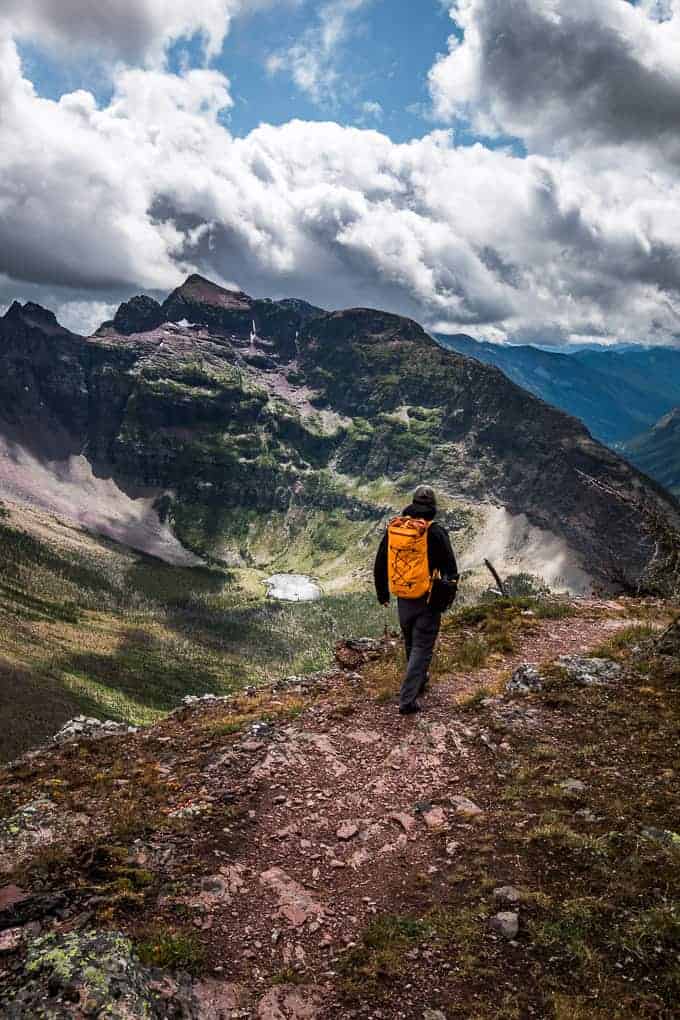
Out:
{"x": 565, "y": 74}
{"x": 313, "y": 61}
{"x": 130, "y": 30}
{"x": 99, "y": 200}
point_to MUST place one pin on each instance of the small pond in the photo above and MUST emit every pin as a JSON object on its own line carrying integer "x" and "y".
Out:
{"x": 292, "y": 588}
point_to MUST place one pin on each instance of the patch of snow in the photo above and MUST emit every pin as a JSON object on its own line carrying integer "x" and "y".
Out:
{"x": 292, "y": 588}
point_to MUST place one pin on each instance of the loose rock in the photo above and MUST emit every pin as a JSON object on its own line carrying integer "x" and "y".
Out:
{"x": 508, "y": 894}
{"x": 347, "y": 830}
{"x": 466, "y": 807}
{"x": 506, "y": 924}
{"x": 84, "y": 728}
{"x": 525, "y": 680}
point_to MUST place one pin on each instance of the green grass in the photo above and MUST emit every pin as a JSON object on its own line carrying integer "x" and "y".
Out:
{"x": 619, "y": 645}
{"x": 176, "y": 951}
{"x": 88, "y": 627}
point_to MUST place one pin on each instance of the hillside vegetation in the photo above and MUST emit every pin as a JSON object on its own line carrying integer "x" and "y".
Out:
{"x": 90, "y": 627}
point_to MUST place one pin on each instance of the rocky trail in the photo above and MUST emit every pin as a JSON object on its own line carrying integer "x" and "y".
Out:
{"x": 303, "y": 852}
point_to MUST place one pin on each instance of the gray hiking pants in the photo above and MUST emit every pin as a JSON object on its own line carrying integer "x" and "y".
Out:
{"x": 419, "y": 627}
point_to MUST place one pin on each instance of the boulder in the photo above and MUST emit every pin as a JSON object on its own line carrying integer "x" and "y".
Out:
{"x": 669, "y": 642}
{"x": 588, "y": 672}
{"x": 506, "y": 923}
{"x": 354, "y": 652}
{"x": 525, "y": 680}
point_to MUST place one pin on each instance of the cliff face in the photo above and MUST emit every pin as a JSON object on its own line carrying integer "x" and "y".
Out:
{"x": 227, "y": 404}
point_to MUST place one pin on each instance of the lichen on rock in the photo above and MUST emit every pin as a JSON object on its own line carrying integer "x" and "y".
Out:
{"x": 94, "y": 974}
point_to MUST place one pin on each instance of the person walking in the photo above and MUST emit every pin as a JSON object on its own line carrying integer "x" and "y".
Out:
{"x": 415, "y": 562}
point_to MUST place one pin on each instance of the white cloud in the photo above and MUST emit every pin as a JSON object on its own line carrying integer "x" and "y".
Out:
{"x": 130, "y": 30}
{"x": 565, "y": 74}
{"x": 98, "y": 201}
{"x": 312, "y": 61}
{"x": 371, "y": 110}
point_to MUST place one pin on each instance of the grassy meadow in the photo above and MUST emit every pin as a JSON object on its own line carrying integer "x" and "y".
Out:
{"x": 87, "y": 626}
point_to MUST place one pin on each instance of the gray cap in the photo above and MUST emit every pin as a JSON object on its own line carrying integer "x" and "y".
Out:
{"x": 424, "y": 494}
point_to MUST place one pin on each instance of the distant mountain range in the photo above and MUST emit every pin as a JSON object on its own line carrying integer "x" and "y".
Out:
{"x": 657, "y": 451}
{"x": 618, "y": 393}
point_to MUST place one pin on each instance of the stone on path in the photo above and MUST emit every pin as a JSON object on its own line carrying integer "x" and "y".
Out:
{"x": 525, "y": 679}
{"x": 347, "y": 830}
{"x": 217, "y": 999}
{"x": 573, "y": 786}
{"x": 465, "y": 806}
{"x": 506, "y": 923}
{"x": 435, "y": 819}
{"x": 508, "y": 894}
{"x": 364, "y": 737}
{"x": 295, "y": 903}
{"x": 406, "y": 821}
{"x": 287, "y": 1003}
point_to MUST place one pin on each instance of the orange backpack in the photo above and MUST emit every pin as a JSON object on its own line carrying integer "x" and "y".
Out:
{"x": 408, "y": 568}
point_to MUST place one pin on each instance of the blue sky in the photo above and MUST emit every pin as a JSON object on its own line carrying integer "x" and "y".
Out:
{"x": 385, "y": 59}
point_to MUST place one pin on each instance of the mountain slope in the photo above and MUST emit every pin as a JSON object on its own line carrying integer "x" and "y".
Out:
{"x": 657, "y": 452}
{"x": 616, "y": 393}
{"x": 236, "y": 414}
{"x": 654, "y": 369}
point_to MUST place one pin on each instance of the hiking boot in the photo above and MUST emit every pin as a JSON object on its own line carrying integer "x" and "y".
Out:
{"x": 410, "y": 709}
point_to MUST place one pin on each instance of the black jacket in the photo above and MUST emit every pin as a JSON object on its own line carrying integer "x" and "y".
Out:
{"x": 439, "y": 552}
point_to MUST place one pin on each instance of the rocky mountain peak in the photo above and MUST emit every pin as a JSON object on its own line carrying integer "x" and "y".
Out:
{"x": 138, "y": 315}
{"x": 197, "y": 289}
{"x": 31, "y": 314}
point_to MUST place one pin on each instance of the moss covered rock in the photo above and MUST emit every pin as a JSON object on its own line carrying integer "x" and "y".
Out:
{"x": 94, "y": 974}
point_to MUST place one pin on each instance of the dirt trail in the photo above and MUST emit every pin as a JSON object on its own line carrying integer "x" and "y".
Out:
{"x": 346, "y": 812}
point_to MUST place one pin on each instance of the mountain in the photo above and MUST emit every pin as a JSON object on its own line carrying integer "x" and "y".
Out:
{"x": 215, "y": 427}
{"x": 656, "y": 370}
{"x": 657, "y": 452}
{"x": 617, "y": 393}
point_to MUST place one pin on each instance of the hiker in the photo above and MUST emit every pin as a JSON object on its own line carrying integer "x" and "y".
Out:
{"x": 416, "y": 563}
